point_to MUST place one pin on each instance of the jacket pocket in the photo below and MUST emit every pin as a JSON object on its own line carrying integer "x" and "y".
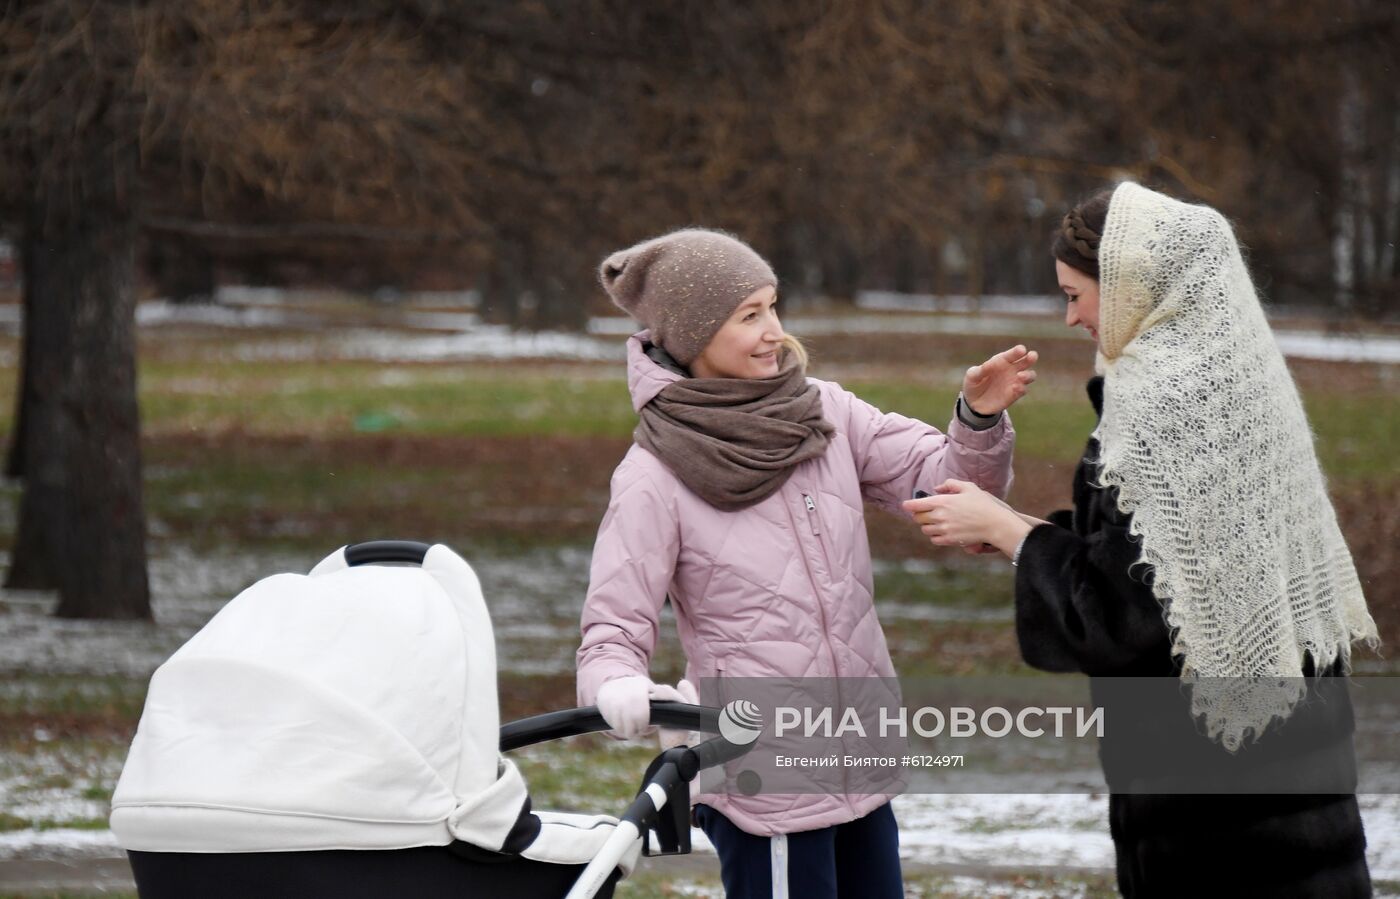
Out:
{"x": 709, "y": 682}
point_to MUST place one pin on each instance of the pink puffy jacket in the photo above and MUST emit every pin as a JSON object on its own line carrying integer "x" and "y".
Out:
{"x": 780, "y": 589}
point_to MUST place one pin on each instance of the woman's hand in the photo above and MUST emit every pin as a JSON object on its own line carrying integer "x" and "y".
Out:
{"x": 625, "y": 703}
{"x": 963, "y": 514}
{"x": 999, "y": 382}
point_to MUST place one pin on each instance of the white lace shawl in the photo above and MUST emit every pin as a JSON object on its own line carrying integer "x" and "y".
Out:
{"x": 1204, "y": 435}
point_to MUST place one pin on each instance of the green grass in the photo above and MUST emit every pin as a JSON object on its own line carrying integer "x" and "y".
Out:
{"x": 343, "y": 397}
{"x": 70, "y": 696}
{"x": 1355, "y": 430}
{"x": 9, "y": 822}
{"x": 960, "y": 588}
{"x": 1356, "y": 434}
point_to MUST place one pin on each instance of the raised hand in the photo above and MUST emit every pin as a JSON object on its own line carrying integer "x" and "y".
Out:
{"x": 999, "y": 382}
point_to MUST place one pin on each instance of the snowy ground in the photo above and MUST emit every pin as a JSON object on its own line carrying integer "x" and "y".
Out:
{"x": 534, "y": 600}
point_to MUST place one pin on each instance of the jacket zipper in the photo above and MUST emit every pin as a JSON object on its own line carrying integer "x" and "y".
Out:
{"x": 815, "y": 520}
{"x": 821, "y": 611}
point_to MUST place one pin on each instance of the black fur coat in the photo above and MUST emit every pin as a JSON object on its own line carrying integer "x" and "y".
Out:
{"x": 1082, "y": 606}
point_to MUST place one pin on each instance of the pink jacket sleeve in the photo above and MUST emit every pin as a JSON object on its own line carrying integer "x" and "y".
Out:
{"x": 895, "y": 454}
{"x": 634, "y": 560}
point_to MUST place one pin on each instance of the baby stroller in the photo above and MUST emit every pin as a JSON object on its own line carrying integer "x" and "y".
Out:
{"x": 337, "y": 734}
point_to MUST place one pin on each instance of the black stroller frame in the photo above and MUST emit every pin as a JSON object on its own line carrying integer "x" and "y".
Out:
{"x": 662, "y": 804}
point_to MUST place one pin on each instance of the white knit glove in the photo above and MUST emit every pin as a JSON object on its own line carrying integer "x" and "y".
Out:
{"x": 625, "y": 703}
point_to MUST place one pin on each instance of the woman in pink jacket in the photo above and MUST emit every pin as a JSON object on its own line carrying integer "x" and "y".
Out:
{"x": 742, "y": 500}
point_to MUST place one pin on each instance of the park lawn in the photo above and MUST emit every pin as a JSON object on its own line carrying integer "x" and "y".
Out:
{"x": 230, "y": 398}
{"x": 321, "y": 398}
{"x": 1355, "y": 431}
{"x": 299, "y": 451}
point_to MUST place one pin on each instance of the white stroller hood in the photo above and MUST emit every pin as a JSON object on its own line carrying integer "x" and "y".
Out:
{"x": 351, "y": 708}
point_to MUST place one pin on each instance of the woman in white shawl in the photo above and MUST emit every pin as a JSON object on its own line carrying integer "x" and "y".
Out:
{"x": 1202, "y": 548}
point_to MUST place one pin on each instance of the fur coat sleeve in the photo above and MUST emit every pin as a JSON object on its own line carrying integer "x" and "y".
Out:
{"x": 1083, "y": 602}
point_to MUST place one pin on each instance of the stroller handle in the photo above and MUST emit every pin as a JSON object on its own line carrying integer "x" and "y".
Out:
{"x": 380, "y": 551}
{"x": 588, "y": 720}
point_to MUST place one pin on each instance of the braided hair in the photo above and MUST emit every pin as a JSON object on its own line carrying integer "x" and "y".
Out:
{"x": 1076, "y": 242}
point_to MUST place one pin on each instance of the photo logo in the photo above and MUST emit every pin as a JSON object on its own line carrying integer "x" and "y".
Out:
{"x": 741, "y": 722}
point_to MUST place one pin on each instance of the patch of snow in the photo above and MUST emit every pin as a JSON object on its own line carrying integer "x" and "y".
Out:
{"x": 1380, "y": 814}
{"x": 486, "y": 343}
{"x": 164, "y": 312}
{"x": 48, "y": 785}
{"x": 613, "y": 326}
{"x": 1339, "y": 347}
{"x": 483, "y": 342}
{"x": 58, "y": 843}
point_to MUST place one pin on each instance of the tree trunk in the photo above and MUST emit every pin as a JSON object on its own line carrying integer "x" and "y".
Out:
{"x": 14, "y": 462}
{"x": 82, "y": 511}
{"x": 33, "y": 556}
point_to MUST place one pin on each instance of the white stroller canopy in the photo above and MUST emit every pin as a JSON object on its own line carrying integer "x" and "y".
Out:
{"x": 351, "y": 708}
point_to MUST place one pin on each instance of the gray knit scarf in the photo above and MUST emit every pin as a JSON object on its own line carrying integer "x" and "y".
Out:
{"x": 735, "y": 441}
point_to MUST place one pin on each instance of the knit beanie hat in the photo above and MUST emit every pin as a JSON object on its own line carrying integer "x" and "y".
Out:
{"x": 684, "y": 285}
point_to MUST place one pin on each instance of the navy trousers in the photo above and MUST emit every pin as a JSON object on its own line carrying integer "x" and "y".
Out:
{"x": 857, "y": 859}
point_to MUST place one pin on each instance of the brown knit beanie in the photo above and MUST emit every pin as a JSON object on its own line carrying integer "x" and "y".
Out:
{"x": 684, "y": 285}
